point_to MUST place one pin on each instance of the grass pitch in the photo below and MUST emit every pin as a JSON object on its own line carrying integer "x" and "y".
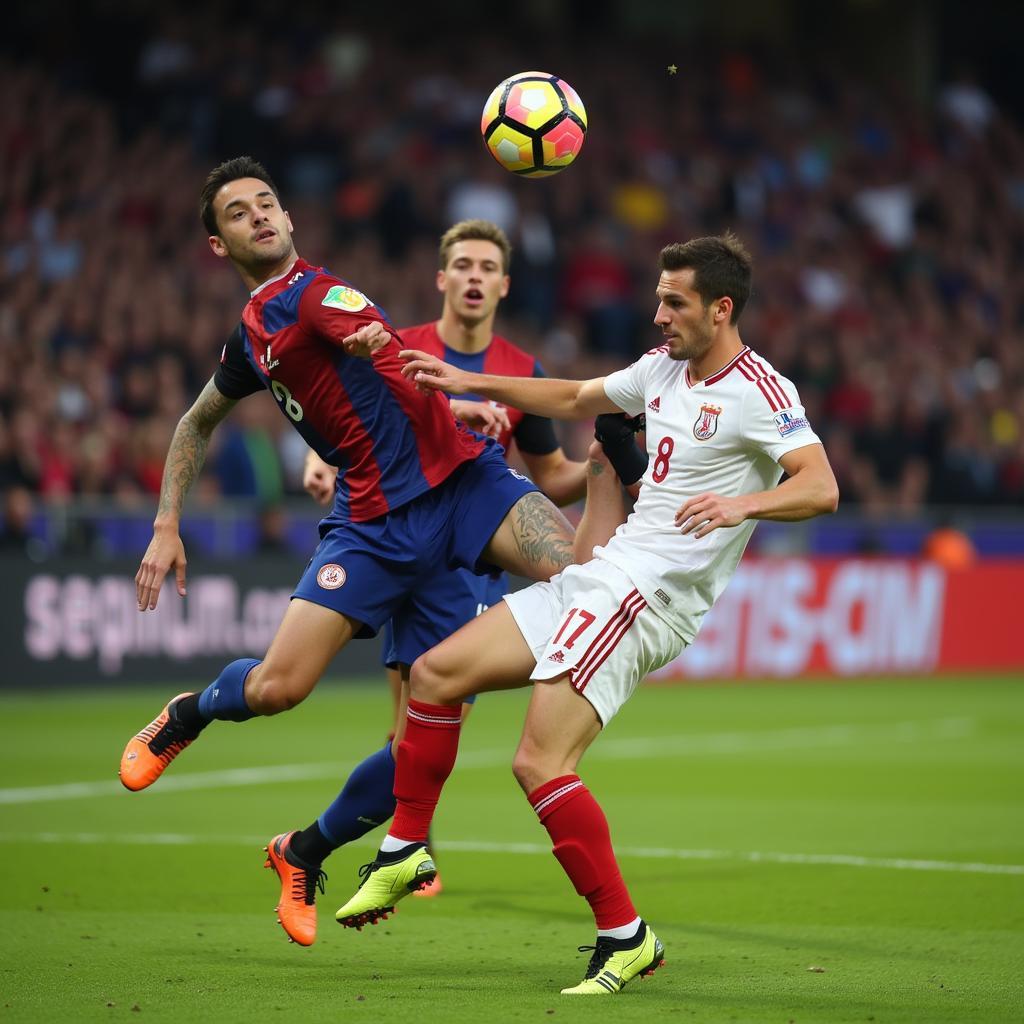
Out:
{"x": 831, "y": 852}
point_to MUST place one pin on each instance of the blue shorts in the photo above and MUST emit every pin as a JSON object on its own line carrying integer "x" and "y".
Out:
{"x": 395, "y": 566}
{"x": 453, "y": 598}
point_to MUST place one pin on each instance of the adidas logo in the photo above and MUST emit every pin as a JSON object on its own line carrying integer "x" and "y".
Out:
{"x": 655, "y": 404}
{"x": 558, "y": 657}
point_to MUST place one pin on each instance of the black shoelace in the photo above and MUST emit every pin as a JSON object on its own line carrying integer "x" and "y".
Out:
{"x": 308, "y": 884}
{"x": 171, "y": 733}
{"x": 366, "y": 870}
{"x": 602, "y": 951}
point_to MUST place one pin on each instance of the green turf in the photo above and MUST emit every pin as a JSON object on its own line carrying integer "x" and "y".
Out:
{"x": 707, "y": 788}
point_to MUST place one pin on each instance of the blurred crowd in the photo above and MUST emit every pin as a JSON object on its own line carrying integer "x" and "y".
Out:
{"x": 888, "y": 237}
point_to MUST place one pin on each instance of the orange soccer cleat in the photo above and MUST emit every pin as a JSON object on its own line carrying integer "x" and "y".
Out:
{"x": 296, "y": 910}
{"x": 149, "y": 752}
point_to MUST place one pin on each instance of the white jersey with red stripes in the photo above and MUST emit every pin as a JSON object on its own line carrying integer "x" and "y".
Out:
{"x": 723, "y": 435}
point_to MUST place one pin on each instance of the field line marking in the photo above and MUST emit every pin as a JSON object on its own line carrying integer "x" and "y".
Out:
{"x": 632, "y": 748}
{"x": 536, "y": 849}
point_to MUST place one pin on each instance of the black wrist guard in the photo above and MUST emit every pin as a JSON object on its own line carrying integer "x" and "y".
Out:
{"x": 615, "y": 431}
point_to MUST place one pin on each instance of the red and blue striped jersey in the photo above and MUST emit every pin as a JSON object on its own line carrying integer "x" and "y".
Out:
{"x": 533, "y": 434}
{"x": 389, "y": 441}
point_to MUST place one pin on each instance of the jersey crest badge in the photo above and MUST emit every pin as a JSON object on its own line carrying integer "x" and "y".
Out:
{"x": 348, "y": 299}
{"x": 706, "y": 425}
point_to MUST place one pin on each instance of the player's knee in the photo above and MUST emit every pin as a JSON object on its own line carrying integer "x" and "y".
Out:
{"x": 271, "y": 693}
{"x": 530, "y": 768}
{"x": 428, "y": 681}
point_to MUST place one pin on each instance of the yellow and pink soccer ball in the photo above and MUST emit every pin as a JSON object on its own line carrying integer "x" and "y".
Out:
{"x": 534, "y": 124}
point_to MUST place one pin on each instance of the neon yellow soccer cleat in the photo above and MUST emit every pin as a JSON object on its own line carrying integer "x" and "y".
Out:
{"x": 383, "y": 885}
{"x": 616, "y": 962}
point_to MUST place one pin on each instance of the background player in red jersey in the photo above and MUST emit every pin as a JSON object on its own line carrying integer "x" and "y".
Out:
{"x": 473, "y": 278}
{"x": 418, "y": 494}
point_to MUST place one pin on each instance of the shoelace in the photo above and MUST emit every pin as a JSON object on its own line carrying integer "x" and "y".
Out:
{"x": 306, "y": 884}
{"x": 366, "y": 870}
{"x": 171, "y": 733}
{"x": 602, "y": 951}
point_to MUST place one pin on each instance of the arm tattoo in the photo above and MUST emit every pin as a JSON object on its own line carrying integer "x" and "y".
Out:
{"x": 596, "y": 468}
{"x": 188, "y": 447}
{"x": 542, "y": 533}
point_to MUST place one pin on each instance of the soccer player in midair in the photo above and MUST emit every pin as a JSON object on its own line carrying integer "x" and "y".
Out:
{"x": 418, "y": 496}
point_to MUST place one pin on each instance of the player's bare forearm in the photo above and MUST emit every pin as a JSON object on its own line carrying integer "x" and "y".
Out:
{"x": 810, "y": 490}
{"x": 187, "y": 452}
{"x": 561, "y": 479}
{"x": 804, "y": 496}
{"x": 544, "y": 396}
{"x": 605, "y": 509}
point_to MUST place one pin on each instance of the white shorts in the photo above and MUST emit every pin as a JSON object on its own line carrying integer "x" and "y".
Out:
{"x": 592, "y": 622}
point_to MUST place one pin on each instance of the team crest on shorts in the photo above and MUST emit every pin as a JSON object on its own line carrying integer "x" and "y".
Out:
{"x": 706, "y": 425}
{"x": 331, "y": 576}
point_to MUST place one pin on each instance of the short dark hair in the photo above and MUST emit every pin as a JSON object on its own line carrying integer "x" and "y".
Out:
{"x": 475, "y": 231}
{"x": 230, "y": 170}
{"x": 721, "y": 266}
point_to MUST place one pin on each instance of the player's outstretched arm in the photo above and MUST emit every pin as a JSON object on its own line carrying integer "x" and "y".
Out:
{"x": 809, "y": 490}
{"x": 545, "y": 396}
{"x": 559, "y": 477}
{"x": 184, "y": 460}
{"x": 605, "y": 510}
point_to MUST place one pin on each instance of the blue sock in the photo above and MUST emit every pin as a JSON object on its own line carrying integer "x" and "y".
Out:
{"x": 224, "y": 698}
{"x": 366, "y": 801}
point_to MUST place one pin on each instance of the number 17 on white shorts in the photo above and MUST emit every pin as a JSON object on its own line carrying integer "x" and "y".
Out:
{"x": 591, "y": 622}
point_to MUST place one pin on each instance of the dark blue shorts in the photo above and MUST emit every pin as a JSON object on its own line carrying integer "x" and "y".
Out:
{"x": 453, "y": 599}
{"x": 397, "y": 566}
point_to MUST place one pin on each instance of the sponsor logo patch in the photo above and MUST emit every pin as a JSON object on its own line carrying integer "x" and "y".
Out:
{"x": 331, "y": 576}
{"x": 788, "y": 422}
{"x": 655, "y": 404}
{"x": 558, "y": 657}
{"x": 662, "y": 597}
{"x": 348, "y": 299}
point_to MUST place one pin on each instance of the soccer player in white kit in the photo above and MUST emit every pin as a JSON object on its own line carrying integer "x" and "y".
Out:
{"x": 721, "y": 427}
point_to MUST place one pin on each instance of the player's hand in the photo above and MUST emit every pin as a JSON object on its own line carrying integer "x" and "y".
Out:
{"x": 707, "y": 512}
{"x": 367, "y": 340}
{"x": 429, "y": 373}
{"x": 484, "y": 417}
{"x": 318, "y": 479}
{"x": 165, "y": 552}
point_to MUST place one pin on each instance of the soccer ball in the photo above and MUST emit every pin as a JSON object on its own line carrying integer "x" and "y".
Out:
{"x": 533, "y": 124}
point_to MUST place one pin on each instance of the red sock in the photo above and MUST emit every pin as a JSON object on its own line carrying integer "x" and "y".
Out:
{"x": 583, "y": 846}
{"x": 425, "y": 759}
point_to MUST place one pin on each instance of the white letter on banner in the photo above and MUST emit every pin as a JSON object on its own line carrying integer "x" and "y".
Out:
{"x": 854, "y": 589}
{"x": 79, "y": 620}
{"x": 913, "y": 616}
{"x": 782, "y": 627}
{"x": 118, "y": 607}
{"x": 42, "y": 617}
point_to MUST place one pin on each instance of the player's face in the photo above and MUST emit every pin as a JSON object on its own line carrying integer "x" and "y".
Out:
{"x": 253, "y": 229}
{"x": 474, "y": 282}
{"x": 688, "y": 327}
